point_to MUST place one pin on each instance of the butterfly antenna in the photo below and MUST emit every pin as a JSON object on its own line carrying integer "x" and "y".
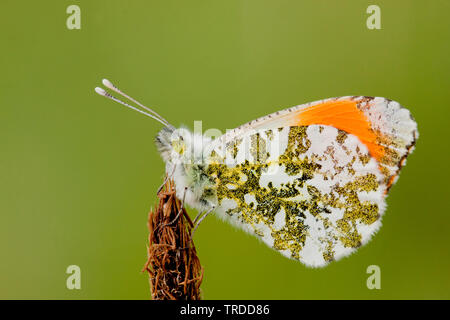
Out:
{"x": 109, "y": 85}
{"x": 102, "y": 92}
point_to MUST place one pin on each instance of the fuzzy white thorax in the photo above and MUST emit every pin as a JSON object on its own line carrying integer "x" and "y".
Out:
{"x": 184, "y": 153}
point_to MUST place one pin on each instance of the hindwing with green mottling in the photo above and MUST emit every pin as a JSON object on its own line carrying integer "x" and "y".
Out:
{"x": 311, "y": 192}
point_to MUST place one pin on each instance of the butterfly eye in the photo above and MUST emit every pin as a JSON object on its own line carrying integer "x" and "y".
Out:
{"x": 178, "y": 146}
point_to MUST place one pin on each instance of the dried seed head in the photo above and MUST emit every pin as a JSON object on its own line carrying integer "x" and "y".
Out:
{"x": 173, "y": 266}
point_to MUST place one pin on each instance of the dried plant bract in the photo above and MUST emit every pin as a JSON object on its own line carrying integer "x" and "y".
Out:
{"x": 173, "y": 266}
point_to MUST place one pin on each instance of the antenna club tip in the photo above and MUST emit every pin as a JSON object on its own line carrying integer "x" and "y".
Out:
{"x": 108, "y": 84}
{"x": 100, "y": 91}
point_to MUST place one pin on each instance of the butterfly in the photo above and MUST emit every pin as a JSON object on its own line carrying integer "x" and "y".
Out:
{"x": 310, "y": 181}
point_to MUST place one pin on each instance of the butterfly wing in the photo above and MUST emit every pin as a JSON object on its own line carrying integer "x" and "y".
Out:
{"x": 384, "y": 126}
{"x": 311, "y": 180}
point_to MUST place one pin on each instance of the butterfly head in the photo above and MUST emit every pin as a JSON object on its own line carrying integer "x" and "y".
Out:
{"x": 172, "y": 143}
{"x": 181, "y": 145}
{"x": 184, "y": 153}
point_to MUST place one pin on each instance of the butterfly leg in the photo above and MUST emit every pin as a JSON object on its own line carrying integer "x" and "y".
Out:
{"x": 197, "y": 216}
{"x": 181, "y": 209}
{"x": 196, "y": 224}
{"x": 166, "y": 179}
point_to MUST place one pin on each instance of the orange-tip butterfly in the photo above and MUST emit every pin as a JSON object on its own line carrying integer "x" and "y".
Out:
{"x": 310, "y": 181}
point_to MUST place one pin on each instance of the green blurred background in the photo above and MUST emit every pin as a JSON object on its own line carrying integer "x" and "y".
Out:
{"x": 78, "y": 173}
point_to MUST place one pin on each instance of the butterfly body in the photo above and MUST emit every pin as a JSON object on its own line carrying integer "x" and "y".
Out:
{"x": 312, "y": 191}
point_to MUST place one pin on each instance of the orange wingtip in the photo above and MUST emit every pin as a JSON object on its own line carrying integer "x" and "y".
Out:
{"x": 343, "y": 115}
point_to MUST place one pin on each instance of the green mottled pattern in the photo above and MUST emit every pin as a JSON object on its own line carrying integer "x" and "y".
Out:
{"x": 297, "y": 198}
